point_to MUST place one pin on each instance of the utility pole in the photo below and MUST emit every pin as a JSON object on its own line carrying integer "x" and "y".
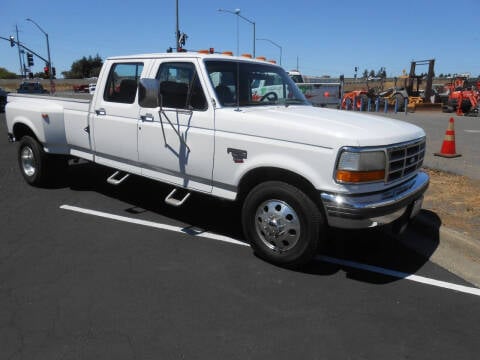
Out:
{"x": 237, "y": 13}
{"x": 177, "y": 29}
{"x": 49, "y": 64}
{"x": 22, "y": 65}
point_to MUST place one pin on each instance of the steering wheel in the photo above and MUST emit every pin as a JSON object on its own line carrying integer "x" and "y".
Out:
{"x": 270, "y": 96}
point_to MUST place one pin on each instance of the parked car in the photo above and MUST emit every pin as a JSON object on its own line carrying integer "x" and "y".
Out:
{"x": 84, "y": 88}
{"x": 3, "y": 100}
{"x": 31, "y": 88}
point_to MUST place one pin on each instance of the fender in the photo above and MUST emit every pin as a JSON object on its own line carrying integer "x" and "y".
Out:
{"x": 45, "y": 121}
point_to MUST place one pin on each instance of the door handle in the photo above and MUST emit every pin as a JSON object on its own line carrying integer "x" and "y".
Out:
{"x": 146, "y": 117}
{"x": 101, "y": 111}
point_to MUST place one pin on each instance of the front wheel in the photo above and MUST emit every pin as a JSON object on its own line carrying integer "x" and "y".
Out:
{"x": 282, "y": 224}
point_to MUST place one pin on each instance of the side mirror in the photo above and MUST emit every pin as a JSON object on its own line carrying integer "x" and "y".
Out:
{"x": 148, "y": 93}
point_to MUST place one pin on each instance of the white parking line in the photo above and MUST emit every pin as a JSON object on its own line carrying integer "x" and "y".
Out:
{"x": 188, "y": 230}
{"x": 401, "y": 275}
{"x": 200, "y": 233}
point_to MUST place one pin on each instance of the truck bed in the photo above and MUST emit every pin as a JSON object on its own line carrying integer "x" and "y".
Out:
{"x": 57, "y": 122}
{"x": 70, "y": 103}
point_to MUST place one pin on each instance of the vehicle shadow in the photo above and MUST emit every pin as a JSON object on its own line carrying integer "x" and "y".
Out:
{"x": 402, "y": 253}
{"x": 373, "y": 247}
{"x": 144, "y": 195}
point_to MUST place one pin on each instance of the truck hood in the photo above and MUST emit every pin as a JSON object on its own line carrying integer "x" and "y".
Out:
{"x": 318, "y": 126}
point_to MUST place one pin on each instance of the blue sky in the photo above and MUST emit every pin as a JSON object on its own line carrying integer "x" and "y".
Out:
{"x": 327, "y": 37}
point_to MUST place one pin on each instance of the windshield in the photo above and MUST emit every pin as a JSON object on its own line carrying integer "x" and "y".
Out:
{"x": 252, "y": 84}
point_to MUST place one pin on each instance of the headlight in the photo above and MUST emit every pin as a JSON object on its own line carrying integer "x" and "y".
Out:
{"x": 361, "y": 166}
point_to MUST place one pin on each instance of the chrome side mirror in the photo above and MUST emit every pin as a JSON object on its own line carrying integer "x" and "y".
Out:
{"x": 149, "y": 93}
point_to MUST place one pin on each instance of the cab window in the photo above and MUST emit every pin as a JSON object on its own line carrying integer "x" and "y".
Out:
{"x": 180, "y": 86}
{"x": 122, "y": 82}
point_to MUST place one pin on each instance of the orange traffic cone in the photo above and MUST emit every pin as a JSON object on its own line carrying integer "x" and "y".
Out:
{"x": 448, "y": 146}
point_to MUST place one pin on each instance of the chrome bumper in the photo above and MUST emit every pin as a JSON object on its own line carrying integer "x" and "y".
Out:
{"x": 380, "y": 208}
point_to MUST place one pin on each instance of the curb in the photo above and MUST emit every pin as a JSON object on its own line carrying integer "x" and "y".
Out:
{"x": 454, "y": 251}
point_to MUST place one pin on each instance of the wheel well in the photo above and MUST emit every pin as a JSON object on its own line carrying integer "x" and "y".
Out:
{"x": 257, "y": 176}
{"x": 20, "y": 130}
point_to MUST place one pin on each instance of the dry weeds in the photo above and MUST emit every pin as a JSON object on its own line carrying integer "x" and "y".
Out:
{"x": 456, "y": 200}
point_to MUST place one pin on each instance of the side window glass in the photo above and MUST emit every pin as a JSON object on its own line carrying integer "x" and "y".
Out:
{"x": 180, "y": 87}
{"x": 224, "y": 84}
{"x": 122, "y": 82}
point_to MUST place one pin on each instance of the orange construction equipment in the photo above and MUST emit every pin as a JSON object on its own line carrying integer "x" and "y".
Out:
{"x": 448, "y": 146}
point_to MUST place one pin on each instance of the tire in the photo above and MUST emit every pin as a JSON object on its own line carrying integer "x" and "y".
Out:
{"x": 400, "y": 102}
{"x": 37, "y": 167}
{"x": 466, "y": 106}
{"x": 282, "y": 224}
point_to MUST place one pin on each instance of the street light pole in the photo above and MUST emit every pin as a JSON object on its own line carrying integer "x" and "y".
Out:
{"x": 50, "y": 69}
{"x": 22, "y": 66}
{"x": 237, "y": 13}
{"x": 274, "y": 43}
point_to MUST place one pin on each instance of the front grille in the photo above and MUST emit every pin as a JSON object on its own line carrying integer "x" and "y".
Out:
{"x": 404, "y": 159}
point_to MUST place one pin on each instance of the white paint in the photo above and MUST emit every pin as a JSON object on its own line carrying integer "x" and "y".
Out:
{"x": 401, "y": 275}
{"x": 473, "y": 131}
{"x": 200, "y": 233}
{"x": 187, "y": 231}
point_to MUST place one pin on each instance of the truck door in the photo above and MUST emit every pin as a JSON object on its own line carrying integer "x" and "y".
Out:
{"x": 176, "y": 140}
{"x": 115, "y": 117}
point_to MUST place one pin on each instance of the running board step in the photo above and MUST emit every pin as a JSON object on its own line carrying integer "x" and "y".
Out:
{"x": 117, "y": 178}
{"x": 172, "y": 200}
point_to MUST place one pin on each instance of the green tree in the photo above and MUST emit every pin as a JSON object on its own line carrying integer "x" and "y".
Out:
{"x": 382, "y": 73}
{"x": 40, "y": 75}
{"x": 84, "y": 68}
{"x": 5, "y": 74}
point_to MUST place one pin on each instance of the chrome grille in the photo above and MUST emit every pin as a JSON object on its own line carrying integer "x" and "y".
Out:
{"x": 404, "y": 159}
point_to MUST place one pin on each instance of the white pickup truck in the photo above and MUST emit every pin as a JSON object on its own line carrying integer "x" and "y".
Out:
{"x": 191, "y": 120}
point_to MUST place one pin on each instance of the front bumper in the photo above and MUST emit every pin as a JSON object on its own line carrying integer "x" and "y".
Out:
{"x": 380, "y": 208}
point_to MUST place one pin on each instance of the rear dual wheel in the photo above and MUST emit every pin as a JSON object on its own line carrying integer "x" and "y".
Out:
{"x": 37, "y": 167}
{"x": 284, "y": 226}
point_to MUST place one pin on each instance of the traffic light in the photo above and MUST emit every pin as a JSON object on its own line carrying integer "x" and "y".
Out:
{"x": 183, "y": 39}
{"x": 30, "y": 59}
{"x": 46, "y": 70}
{"x": 12, "y": 41}
{"x": 54, "y": 71}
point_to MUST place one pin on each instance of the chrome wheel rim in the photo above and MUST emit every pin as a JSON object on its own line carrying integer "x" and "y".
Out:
{"x": 277, "y": 224}
{"x": 28, "y": 161}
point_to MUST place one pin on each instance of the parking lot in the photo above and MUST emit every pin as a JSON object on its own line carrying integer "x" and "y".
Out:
{"x": 93, "y": 271}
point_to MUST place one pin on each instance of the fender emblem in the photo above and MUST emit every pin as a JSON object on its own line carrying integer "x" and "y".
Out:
{"x": 237, "y": 155}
